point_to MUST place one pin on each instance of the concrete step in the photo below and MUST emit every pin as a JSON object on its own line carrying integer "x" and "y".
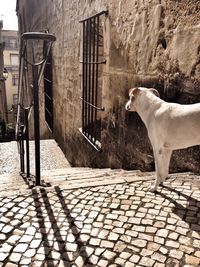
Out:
{"x": 68, "y": 178}
{"x": 71, "y": 178}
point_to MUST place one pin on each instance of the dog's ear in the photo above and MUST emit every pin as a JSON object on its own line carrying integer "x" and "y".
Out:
{"x": 134, "y": 91}
{"x": 155, "y": 92}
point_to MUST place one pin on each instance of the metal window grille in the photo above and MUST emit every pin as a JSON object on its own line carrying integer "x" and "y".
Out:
{"x": 48, "y": 92}
{"x": 92, "y": 60}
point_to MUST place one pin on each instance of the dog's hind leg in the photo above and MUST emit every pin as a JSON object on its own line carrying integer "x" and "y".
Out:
{"x": 162, "y": 160}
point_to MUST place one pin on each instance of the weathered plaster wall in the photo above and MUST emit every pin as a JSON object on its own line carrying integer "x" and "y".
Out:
{"x": 146, "y": 42}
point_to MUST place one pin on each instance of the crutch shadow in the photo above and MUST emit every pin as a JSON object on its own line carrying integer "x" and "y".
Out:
{"x": 48, "y": 215}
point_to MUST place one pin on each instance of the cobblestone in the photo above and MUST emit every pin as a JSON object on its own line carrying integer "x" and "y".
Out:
{"x": 9, "y": 161}
{"x": 114, "y": 224}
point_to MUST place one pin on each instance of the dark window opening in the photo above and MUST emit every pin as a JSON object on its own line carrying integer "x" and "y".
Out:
{"x": 15, "y": 79}
{"x": 48, "y": 92}
{"x": 92, "y": 69}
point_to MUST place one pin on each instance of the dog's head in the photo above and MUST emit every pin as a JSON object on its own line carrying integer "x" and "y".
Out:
{"x": 134, "y": 93}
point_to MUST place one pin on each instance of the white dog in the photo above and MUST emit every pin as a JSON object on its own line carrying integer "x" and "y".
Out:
{"x": 170, "y": 126}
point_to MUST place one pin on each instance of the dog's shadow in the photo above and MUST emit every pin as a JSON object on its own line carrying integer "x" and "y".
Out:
{"x": 189, "y": 213}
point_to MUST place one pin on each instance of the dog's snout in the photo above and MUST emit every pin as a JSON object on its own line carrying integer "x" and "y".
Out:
{"x": 127, "y": 107}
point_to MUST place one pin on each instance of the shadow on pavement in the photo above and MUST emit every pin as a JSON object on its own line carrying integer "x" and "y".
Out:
{"x": 73, "y": 227}
{"x": 190, "y": 214}
{"x": 44, "y": 208}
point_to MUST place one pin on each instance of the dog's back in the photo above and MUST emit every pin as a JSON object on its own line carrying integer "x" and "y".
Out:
{"x": 180, "y": 124}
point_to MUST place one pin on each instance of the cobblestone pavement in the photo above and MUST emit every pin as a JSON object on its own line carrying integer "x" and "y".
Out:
{"x": 119, "y": 224}
{"x": 51, "y": 156}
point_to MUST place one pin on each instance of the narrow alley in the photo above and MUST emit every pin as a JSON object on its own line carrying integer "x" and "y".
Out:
{"x": 96, "y": 217}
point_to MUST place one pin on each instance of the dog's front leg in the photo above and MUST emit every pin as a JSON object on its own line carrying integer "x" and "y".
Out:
{"x": 166, "y": 161}
{"x": 162, "y": 159}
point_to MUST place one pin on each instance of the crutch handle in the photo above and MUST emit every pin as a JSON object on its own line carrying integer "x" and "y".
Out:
{"x": 38, "y": 35}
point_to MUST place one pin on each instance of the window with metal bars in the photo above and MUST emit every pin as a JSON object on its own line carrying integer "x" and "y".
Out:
{"x": 48, "y": 92}
{"x": 92, "y": 68}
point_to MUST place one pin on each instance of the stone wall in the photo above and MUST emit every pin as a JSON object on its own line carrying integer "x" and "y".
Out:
{"x": 153, "y": 43}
